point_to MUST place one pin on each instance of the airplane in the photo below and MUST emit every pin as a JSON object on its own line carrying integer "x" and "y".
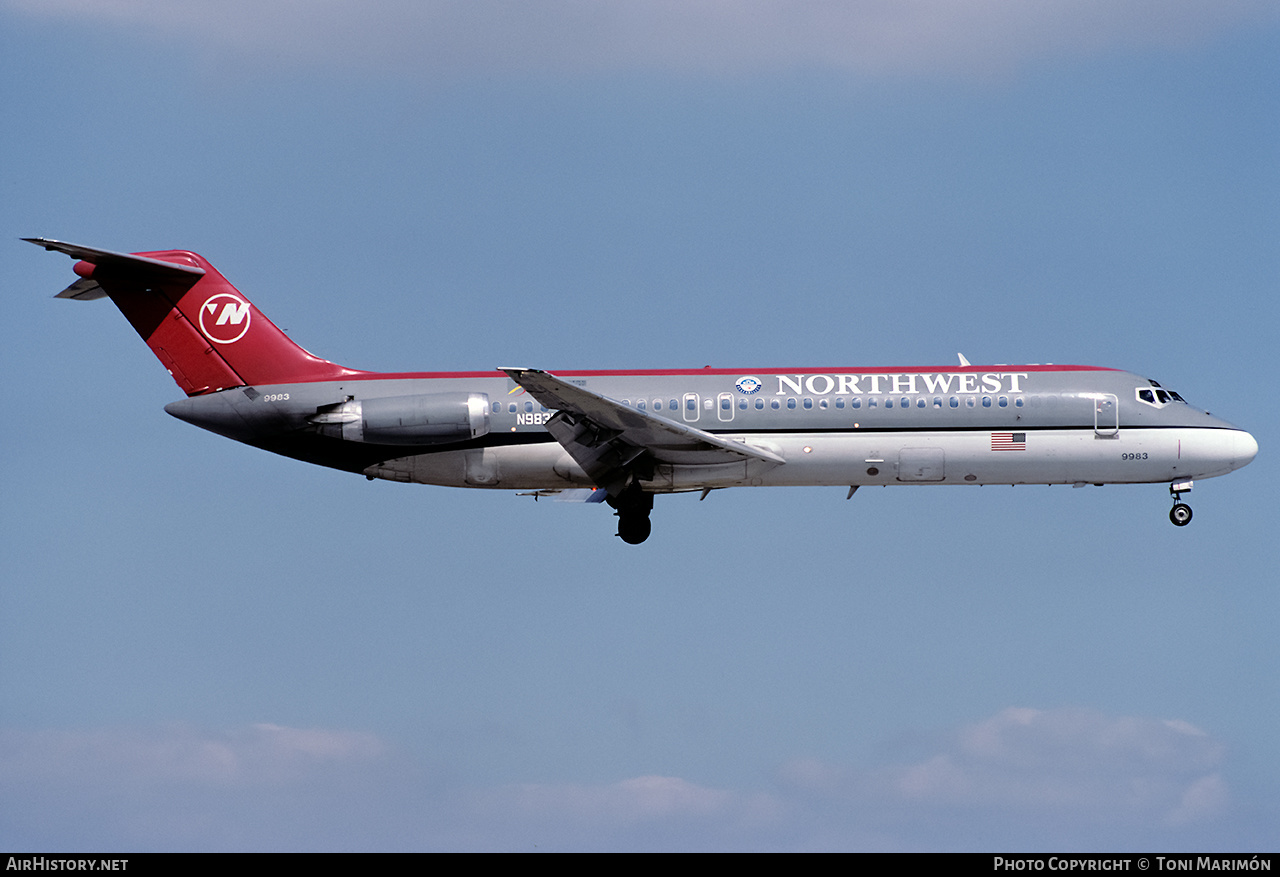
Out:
{"x": 622, "y": 437}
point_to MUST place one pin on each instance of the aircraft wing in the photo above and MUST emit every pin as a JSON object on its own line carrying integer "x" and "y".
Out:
{"x": 610, "y": 440}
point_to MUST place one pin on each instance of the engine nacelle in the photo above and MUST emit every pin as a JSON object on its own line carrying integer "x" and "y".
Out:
{"x": 431, "y": 419}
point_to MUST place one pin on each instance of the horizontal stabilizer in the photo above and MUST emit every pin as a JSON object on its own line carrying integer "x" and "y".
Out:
{"x": 84, "y": 289}
{"x": 116, "y": 261}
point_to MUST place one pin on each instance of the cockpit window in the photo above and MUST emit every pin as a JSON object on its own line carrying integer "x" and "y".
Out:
{"x": 1158, "y": 397}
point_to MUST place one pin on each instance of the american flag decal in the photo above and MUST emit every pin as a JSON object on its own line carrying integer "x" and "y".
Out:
{"x": 1008, "y": 441}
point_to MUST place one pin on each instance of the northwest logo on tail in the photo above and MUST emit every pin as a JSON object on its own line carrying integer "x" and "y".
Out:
{"x": 224, "y": 318}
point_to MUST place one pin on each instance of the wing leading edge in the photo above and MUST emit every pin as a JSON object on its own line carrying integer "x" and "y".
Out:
{"x": 613, "y": 442}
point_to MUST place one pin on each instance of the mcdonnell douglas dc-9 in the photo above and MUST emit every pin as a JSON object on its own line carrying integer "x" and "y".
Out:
{"x": 622, "y": 437}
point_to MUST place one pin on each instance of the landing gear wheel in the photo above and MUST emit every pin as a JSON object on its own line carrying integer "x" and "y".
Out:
{"x": 1180, "y": 514}
{"x": 633, "y": 506}
{"x": 634, "y": 529}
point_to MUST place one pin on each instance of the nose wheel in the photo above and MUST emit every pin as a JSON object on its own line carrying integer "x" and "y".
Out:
{"x": 1180, "y": 514}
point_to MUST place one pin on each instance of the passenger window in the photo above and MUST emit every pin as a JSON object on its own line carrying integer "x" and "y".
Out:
{"x": 726, "y": 404}
{"x": 920, "y": 403}
{"x": 955, "y": 402}
{"x": 1004, "y": 402}
{"x": 856, "y": 403}
{"x": 691, "y": 404}
{"x": 937, "y": 401}
{"x": 742, "y": 404}
{"x": 840, "y": 402}
{"x": 808, "y": 403}
{"x": 657, "y": 404}
{"x": 971, "y": 402}
{"x": 640, "y": 404}
{"x": 674, "y": 405}
{"x": 888, "y": 403}
{"x": 759, "y": 404}
{"x": 497, "y": 407}
{"x": 986, "y": 401}
{"x": 823, "y": 403}
{"x": 791, "y": 404}
{"x": 774, "y": 404}
{"x": 512, "y": 408}
{"x": 1017, "y": 403}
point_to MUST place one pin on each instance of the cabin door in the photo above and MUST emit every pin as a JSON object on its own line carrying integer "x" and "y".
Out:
{"x": 1106, "y": 416}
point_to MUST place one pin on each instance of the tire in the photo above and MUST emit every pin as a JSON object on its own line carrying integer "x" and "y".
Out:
{"x": 634, "y": 529}
{"x": 1180, "y": 514}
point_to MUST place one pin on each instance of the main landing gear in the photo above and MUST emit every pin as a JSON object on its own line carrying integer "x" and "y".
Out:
{"x": 1180, "y": 514}
{"x": 633, "y": 506}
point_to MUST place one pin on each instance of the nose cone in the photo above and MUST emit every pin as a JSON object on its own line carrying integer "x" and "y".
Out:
{"x": 1243, "y": 449}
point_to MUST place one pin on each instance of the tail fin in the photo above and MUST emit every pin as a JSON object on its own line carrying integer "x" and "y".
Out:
{"x": 198, "y": 325}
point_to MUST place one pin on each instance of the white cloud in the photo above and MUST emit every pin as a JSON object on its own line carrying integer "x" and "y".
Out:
{"x": 617, "y": 815}
{"x": 1031, "y": 777}
{"x": 181, "y": 788}
{"x": 451, "y": 37}
{"x": 255, "y": 755}
{"x": 628, "y": 801}
{"x": 1069, "y": 764}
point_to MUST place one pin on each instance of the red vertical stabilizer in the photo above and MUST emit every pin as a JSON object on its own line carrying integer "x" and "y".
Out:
{"x": 198, "y": 325}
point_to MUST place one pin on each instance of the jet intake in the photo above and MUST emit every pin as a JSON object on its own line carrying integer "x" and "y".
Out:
{"x": 433, "y": 419}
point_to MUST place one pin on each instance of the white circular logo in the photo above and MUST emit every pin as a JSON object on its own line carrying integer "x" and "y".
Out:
{"x": 748, "y": 386}
{"x": 224, "y": 318}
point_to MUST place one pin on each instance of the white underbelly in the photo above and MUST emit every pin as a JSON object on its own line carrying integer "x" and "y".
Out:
{"x": 864, "y": 458}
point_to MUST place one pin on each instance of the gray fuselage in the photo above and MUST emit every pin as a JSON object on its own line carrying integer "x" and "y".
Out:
{"x": 1024, "y": 424}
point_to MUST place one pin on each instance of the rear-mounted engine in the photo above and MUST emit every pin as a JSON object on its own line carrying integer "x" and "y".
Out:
{"x": 433, "y": 419}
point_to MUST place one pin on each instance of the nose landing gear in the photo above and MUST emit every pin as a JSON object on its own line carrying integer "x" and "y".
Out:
{"x": 1180, "y": 514}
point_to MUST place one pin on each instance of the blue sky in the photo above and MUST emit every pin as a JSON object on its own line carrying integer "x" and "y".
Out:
{"x": 206, "y": 647}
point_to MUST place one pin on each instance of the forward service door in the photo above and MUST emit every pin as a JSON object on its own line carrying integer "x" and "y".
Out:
{"x": 1106, "y": 416}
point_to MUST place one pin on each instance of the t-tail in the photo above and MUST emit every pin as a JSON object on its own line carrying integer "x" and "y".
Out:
{"x": 198, "y": 325}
